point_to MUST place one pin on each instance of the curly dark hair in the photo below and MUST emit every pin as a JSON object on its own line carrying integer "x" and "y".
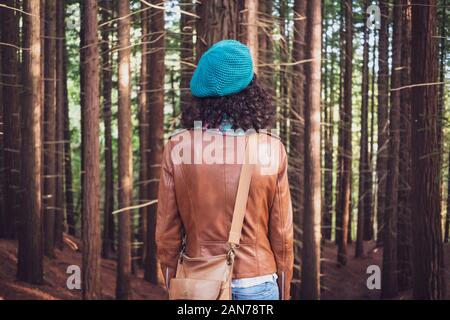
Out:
{"x": 249, "y": 109}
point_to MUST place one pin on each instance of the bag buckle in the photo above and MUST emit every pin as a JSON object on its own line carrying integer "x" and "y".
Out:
{"x": 183, "y": 249}
{"x": 231, "y": 253}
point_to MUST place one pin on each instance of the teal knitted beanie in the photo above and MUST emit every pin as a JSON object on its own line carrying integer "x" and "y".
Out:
{"x": 225, "y": 69}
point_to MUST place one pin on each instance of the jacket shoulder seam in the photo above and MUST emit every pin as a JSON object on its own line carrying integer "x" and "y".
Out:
{"x": 270, "y": 133}
{"x": 177, "y": 132}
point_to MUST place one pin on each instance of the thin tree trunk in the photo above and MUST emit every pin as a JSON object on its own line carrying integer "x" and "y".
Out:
{"x": 91, "y": 154}
{"x": 345, "y": 186}
{"x": 325, "y": 109}
{"x": 3, "y": 212}
{"x": 447, "y": 218}
{"x": 143, "y": 133}
{"x": 326, "y": 130}
{"x": 156, "y": 128}
{"x": 172, "y": 94}
{"x": 251, "y": 30}
{"x": 125, "y": 153}
{"x": 283, "y": 101}
{"x": 49, "y": 128}
{"x": 428, "y": 264}
{"x": 312, "y": 212}
{"x": 43, "y": 31}
{"x": 11, "y": 118}
{"x": 364, "y": 197}
{"x": 30, "y": 248}
{"x": 441, "y": 108}
{"x": 324, "y": 90}
{"x": 389, "y": 275}
{"x": 328, "y": 175}
{"x": 369, "y": 221}
{"x": 404, "y": 239}
{"x": 340, "y": 154}
{"x": 59, "y": 135}
{"x": 442, "y": 104}
{"x": 350, "y": 217}
{"x": 383, "y": 105}
{"x": 187, "y": 24}
{"x": 108, "y": 218}
{"x": 82, "y": 106}
{"x": 68, "y": 180}
{"x": 265, "y": 55}
{"x": 296, "y": 151}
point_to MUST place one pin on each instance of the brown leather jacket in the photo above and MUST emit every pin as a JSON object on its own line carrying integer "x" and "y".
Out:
{"x": 198, "y": 200}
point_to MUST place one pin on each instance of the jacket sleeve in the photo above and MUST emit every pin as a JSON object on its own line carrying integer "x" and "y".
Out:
{"x": 281, "y": 233}
{"x": 168, "y": 221}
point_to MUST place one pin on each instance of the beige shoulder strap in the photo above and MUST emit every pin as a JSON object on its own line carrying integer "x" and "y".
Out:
{"x": 240, "y": 205}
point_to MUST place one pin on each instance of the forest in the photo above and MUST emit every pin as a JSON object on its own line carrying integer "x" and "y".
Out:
{"x": 90, "y": 91}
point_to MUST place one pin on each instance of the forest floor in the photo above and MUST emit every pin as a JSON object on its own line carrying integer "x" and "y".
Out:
{"x": 349, "y": 282}
{"x": 55, "y": 278}
{"x": 337, "y": 282}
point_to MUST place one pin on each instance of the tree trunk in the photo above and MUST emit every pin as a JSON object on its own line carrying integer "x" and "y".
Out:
{"x": 82, "y": 107}
{"x": 30, "y": 247}
{"x": 389, "y": 275}
{"x": 265, "y": 45}
{"x": 49, "y": 195}
{"x": 428, "y": 264}
{"x": 364, "y": 197}
{"x": 383, "y": 107}
{"x": 312, "y": 212}
{"x": 297, "y": 149}
{"x": 91, "y": 112}
{"x": 251, "y": 30}
{"x": 43, "y": 31}
{"x": 447, "y": 218}
{"x": 219, "y": 20}
{"x": 327, "y": 131}
{"x": 68, "y": 181}
{"x": 283, "y": 101}
{"x": 187, "y": 24}
{"x": 350, "y": 217}
{"x": 143, "y": 116}
{"x": 369, "y": 221}
{"x": 442, "y": 104}
{"x": 11, "y": 118}
{"x": 340, "y": 154}
{"x": 172, "y": 94}
{"x": 156, "y": 128}
{"x": 125, "y": 153}
{"x": 59, "y": 135}
{"x": 345, "y": 185}
{"x": 328, "y": 159}
{"x": 3, "y": 212}
{"x": 404, "y": 239}
{"x": 108, "y": 218}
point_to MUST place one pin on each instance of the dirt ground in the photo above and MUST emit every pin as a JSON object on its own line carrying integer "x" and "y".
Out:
{"x": 55, "y": 276}
{"x": 347, "y": 282}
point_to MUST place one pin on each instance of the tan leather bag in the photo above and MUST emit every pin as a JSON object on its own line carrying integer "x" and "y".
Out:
{"x": 209, "y": 278}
